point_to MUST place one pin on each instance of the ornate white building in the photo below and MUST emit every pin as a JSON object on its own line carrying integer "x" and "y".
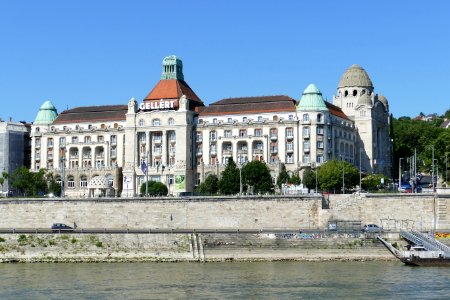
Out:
{"x": 171, "y": 137}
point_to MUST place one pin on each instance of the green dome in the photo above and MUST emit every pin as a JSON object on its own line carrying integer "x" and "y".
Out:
{"x": 312, "y": 99}
{"x": 47, "y": 114}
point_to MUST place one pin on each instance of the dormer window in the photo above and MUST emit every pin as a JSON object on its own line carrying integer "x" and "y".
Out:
{"x": 215, "y": 121}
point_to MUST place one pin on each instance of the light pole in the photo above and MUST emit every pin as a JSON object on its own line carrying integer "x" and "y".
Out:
{"x": 343, "y": 172}
{"x": 146, "y": 173}
{"x": 400, "y": 173}
{"x": 446, "y": 166}
{"x": 63, "y": 161}
{"x": 360, "y": 186}
{"x": 432, "y": 167}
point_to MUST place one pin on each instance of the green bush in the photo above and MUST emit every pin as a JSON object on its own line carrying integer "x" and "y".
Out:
{"x": 155, "y": 188}
{"x": 99, "y": 244}
{"x": 2, "y": 240}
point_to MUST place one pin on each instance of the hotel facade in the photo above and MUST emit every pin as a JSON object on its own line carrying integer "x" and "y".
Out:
{"x": 172, "y": 137}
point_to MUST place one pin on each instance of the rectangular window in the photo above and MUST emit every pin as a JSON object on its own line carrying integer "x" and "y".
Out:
{"x": 228, "y": 133}
{"x": 213, "y": 136}
{"x": 74, "y": 140}
{"x": 289, "y": 133}
{"x": 320, "y": 158}
{"x": 258, "y": 132}
{"x": 198, "y": 136}
{"x": 320, "y": 144}
{"x": 320, "y": 130}
{"x": 289, "y": 158}
{"x": 306, "y": 159}
{"x": 242, "y": 133}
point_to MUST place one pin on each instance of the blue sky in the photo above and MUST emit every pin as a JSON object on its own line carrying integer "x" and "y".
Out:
{"x": 81, "y": 53}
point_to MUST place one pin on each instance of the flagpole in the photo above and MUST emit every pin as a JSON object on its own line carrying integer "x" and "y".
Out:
{"x": 146, "y": 174}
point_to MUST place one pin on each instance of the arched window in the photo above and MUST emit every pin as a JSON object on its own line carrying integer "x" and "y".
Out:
{"x": 171, "y": 121}
{"x": 156, "y": 122}
{"x": 141, "y": 122}
{"x": 346, "y": 93}
{"x": 319, "y": 117}
{"x": 306, "y": 117}
{"x": 83, "y": 181}
{"x": 215, "y": 121}
{"x": 355, "y": 93}
{"x": 37, "y": 129}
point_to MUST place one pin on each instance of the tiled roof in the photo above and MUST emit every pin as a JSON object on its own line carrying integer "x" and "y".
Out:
{"x": 334, "y": 110}
{"x": 92, "y": 114}
{"x": 263, "y": 104}
{"x": 446, "y": 124}
{"x": 172, "y": 89}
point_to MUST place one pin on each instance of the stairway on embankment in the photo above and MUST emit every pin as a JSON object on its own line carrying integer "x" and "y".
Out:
{"x": 291, "y": 246}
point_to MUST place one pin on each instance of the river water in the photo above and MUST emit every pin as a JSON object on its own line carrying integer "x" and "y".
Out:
{"x": 230, "y": 280}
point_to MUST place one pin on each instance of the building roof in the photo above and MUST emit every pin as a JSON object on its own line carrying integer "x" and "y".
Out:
{"x": 336, "y": 111}
{"x": 246, "y": 105}
{"x": 172, "y": 89}
{"x": 47, "y": 114}
{"x": 446, "y": 124}
{"x": 364, "y": 99}
{"x": 355, "y": 76}
{"x": 311, "y": 100}
{"x": 92, "y": 114}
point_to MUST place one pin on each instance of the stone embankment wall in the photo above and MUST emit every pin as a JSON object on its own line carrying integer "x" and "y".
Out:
{"x": 188, "y": 247}
{"x": 396, "y": 212}
{"x": 270, "y": 212}
{"x": 393, "y": 212}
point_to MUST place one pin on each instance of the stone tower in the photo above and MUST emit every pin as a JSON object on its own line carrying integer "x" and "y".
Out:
{"x": 355, "y": 96}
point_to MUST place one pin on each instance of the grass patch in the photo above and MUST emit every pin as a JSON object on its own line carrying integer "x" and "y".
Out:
{"x": 2, "y": 240}
{"x": 99, "y": 244}
{"x": 51, "y": 243}
{"x": 64, "y": 237}
{"x": 74, "y": 240}
{"x": 22, "y": 240}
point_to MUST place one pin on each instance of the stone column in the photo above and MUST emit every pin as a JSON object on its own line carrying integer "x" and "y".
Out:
{"x": 164, "y": 147}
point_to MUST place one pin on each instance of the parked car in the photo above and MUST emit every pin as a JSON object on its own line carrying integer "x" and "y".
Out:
{"x": 372, "y": 228}
{"x": 60, "y": 227}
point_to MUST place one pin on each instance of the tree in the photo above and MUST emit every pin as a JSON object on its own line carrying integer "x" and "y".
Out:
{"x": 373, "y": 181}
{"x": 330, "y": 174}
{"x": 210, "y": 185}
{"x": 283, "y": 177}
{"x": 3, "y": 178}
{"x": 257, "y": 175}
{"x": 29, "y": 183}
{"x": 309, "y": 178}
{"x": 447, "y": 114}
{"x": 295, "y": 179}
{"x": 229, "y": 181}
{"x": 155, "y": 188}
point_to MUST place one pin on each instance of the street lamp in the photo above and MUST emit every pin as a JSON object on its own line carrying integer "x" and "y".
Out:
{"x": 446, "y": 166}
{"x": 400, "y": 173}
{"x": 432, "y": 168}
{"x": 360, "y": 186}
{"x": 343, "y": 172}
{"x": 63, "y": 161}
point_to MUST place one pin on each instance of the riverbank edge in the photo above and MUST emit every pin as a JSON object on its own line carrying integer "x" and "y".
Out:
{"x": 92, "y": 259}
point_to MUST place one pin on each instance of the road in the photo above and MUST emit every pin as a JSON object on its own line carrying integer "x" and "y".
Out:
{"x": 152, "y": 231}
